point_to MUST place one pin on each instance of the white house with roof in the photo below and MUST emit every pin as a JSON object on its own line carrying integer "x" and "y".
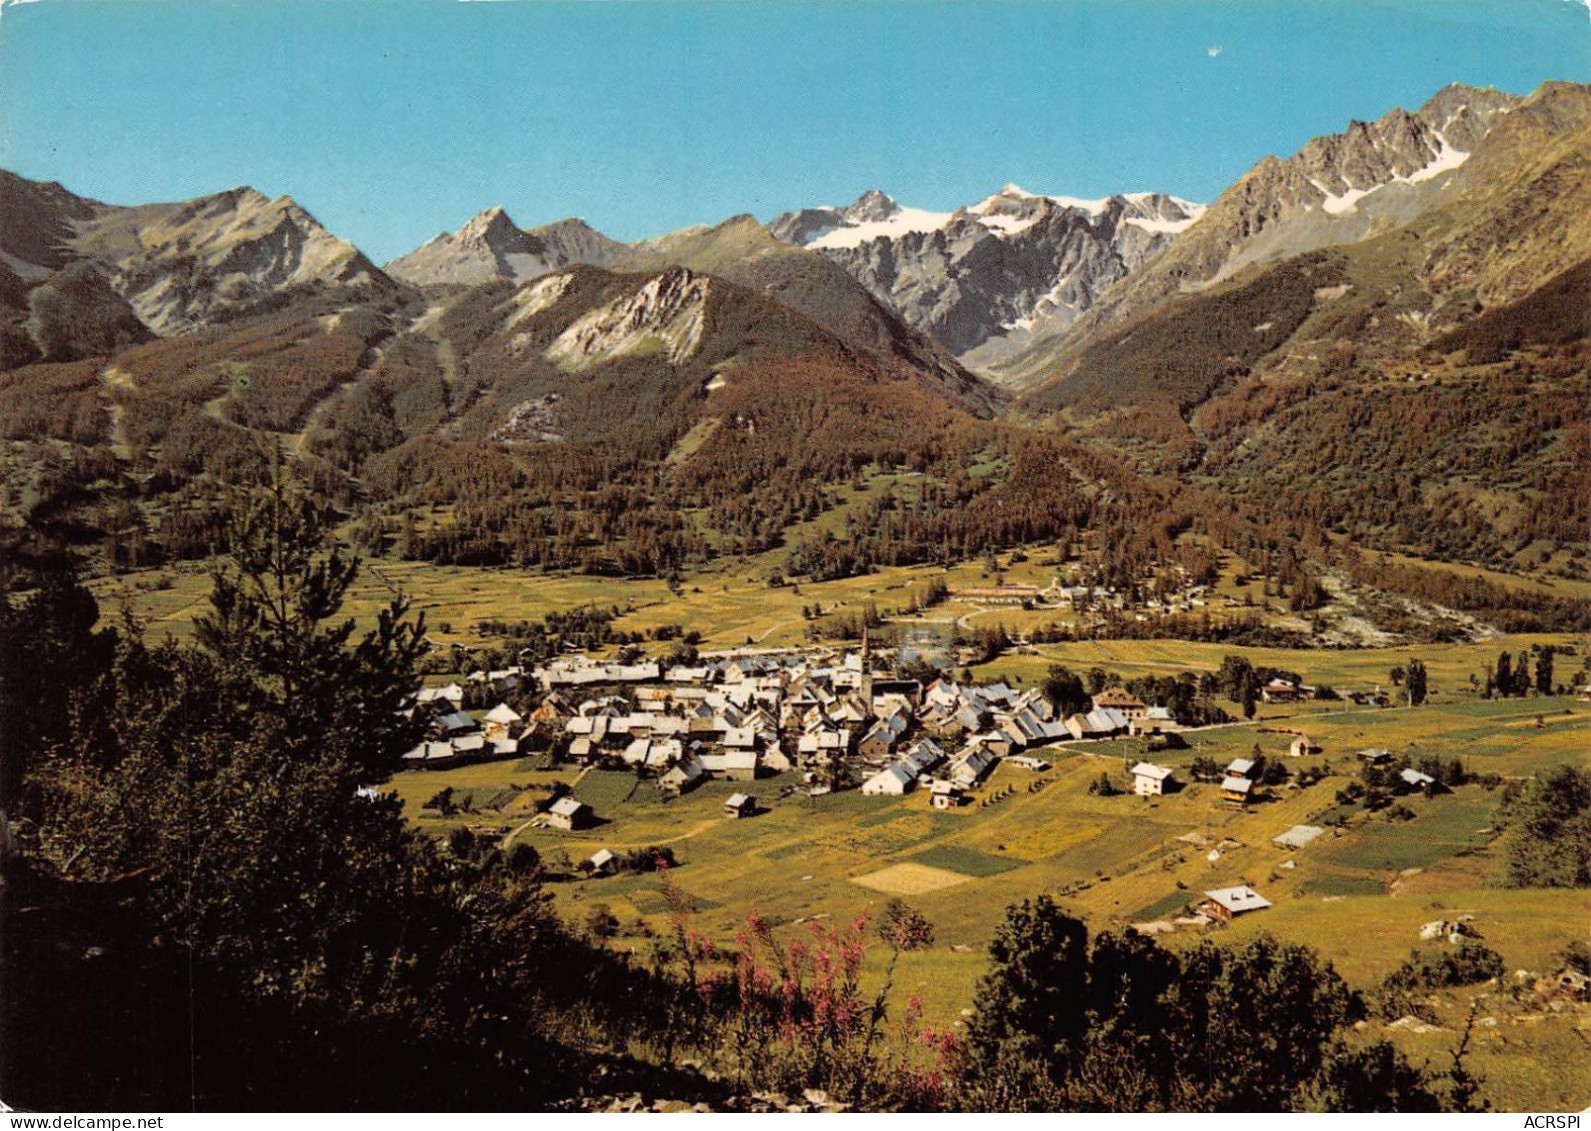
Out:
{"x": 500, "y": 722}
{"x": 441, "y": 697}
{"x": 1414, "y": 779}
{"x": 901, "y": 777}
{"x": 1149, "y": 780}
{"x": 892, "y": 781}
{"x": 567, "y": 813}
{"x": 740, "y": 805}
{"x": 969, "y": 769}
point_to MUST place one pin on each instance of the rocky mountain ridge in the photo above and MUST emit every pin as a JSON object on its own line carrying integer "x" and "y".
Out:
{"x": 1338, "y": 189}
{"x": 986, "y": 279}
{"x": 178, "y": 264}
{"x": 490, "y": 247}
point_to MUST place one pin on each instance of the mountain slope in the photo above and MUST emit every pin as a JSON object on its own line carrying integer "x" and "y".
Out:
{"x": 745, "y": 252}
{"x": 584, "y": 354}
{"x": 490, "y": 248}
{"x": 1436, "y": 167}
{"x": 38, "y": 221}
{"x": 179, "y": 265}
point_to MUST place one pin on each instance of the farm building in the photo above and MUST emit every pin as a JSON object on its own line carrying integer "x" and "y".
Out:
{"x": 500, "y": 721}
{"x": 1154, "y": 720}
{"x": 456, "y": 723}
{"x": 1281, "y": 691}
{"x": 1226, "y": 904}
{"x": 1149, "y": 780}
{"x": 891, "y": 781}
{"x": 971, "y": 767}
{"x": 567, "y": 813}
{"x": 1412, "y": 779}
{"x": 1120, "y": 699}
{"x": 683, "y": 776}
{"x": 1101, "y": 722}
{"x": 431, "y": 755}
{"x": 1240, "y": 768}
{"x": 1303, "y": 745}
{"x": 601, "y": 862}
{"x": 1236, "y": 791}
{"x": 731, "y": 765}
{"x": 1297, "y": 836}
{"x": 453, "y": 695}
{"x": 945, "y": 795}
{"x": 902, "y": 777}
{"x": 740, "y": 805}
{"x": 1375, "y": 755}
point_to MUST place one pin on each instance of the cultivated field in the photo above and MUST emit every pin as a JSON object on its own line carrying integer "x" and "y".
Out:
{"x": 1358, "y": 894}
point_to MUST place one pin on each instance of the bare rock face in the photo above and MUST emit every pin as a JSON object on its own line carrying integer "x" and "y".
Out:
{"x": 1338, "y": 189}
{"x": 666, "y": 313}
{"x": 188, "y": 259}
{"x": 985, "y": 279}
{"x": 177, "y": 264}
{"x": 1342, "y": 187}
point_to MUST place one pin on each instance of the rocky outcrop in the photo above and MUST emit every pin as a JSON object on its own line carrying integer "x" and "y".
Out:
{"x": 1338, "y": 189}
{"x": 666, "y": 313}
{"x": 177, "y": 264}
{"x": 182, "y": 262}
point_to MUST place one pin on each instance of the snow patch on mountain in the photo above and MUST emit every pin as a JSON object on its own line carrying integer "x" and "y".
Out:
{"x": 1446, "y": 159}
{"x": 1014, "y": 263}
{"x": 903, "y": 221}
{"x": 1169, "y": 227}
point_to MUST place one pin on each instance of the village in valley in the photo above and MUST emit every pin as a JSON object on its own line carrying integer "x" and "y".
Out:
{"x": 817, "y": 781}
{"x": 532, "y": 580}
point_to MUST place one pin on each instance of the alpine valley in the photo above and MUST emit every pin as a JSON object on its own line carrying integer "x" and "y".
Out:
{"x": 549, "y": 671}
{"x": 1377, "y": 343}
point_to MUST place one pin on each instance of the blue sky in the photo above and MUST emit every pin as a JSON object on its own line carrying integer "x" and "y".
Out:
{"x": 394, "y": 119}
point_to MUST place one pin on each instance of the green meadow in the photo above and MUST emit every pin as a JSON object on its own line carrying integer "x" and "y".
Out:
{"x": 1358, "y": 893}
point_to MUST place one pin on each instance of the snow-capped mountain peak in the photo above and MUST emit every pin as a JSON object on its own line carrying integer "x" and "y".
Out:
{"x": 995, "y": 273}
{"x": 873, "y": 215}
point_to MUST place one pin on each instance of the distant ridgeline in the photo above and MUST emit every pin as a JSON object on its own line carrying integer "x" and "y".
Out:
{"x": 1379, "y": 341}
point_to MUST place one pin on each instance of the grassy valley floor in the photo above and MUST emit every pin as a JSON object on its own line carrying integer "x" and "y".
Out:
{"x": 1358, "y": 894}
